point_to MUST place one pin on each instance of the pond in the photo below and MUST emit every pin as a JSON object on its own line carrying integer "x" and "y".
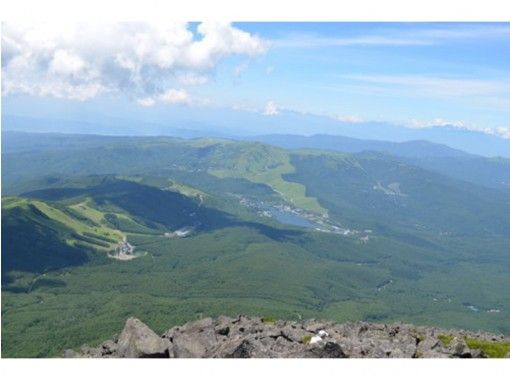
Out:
{"x": 290, "y": 218}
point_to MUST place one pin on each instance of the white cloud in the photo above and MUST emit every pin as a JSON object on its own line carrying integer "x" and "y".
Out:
{"x": 218, "y": 40}
{"x": 388, "y": 36}
{"x": 473, "y": 31}
{"x": 311, "y": 41}
{"x": 438, "y": 122}
{"x": 271, "y": 109}
{"x": 56, "y": 89}
{"x": 350, "y": 119}
{"x": 192, "y": 79}
{"x": 66, "y": 63}
{"x": 175, "y": 96}
{"x": 80, "y": 61}
{"x": 502, "y": 132}
{"x": 146, "y": 102}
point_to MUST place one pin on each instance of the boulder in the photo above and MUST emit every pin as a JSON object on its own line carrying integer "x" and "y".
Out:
{"x": 460, "y": 348}
{"x": 90, "y": 352}
{"x": 328, "y": 350}
{"x": 296, "y": 334}
{"x": 70, "y": 354}
{"x": 108, "y": 348}
{"x": 479, "y": 354}
{"x": 139, "y": 341}
{"x": 195, "y": 339}
{"x": 242, "y": 349}
{"x": 189, "y": 346}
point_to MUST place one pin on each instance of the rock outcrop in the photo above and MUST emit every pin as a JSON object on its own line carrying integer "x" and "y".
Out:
{"x": 247, "y": 337}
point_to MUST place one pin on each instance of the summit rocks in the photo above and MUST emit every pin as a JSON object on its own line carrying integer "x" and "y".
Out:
{"x": 252, "y": 337}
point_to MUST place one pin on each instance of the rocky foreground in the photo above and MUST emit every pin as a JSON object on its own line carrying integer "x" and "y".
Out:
{"x": 247, "y": 337}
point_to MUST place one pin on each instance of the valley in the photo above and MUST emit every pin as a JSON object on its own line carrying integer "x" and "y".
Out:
{"x": 171, "y": 230}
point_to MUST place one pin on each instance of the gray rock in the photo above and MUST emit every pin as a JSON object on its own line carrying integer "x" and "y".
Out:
{"x": 479, "y": 354}
{"x": 249, "y": 337}
{"x": 293, "y": 333}
{"x": 188, "y": 346}
{"x": 222, "y": 330}
{"x": 428, "y": 344}
{"x": 460, "y": 348}
{"x": 243, "y": 350}
{"x": 139, "y": 341}
{"x": 108, "y": 348}
{"x": 328, "y": 350}
{"x": 70, "y": 354}
{"x": 90, "y": 352}
{"x": 379, "y": 353}
{"x": 397, "y": 353}
{"x": 199, "y": 325}
{"x": 194, "y": 339}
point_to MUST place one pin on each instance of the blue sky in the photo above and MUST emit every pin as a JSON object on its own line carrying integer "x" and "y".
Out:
{"x": 417, "y": 75}
{"x": 385, "y": 72}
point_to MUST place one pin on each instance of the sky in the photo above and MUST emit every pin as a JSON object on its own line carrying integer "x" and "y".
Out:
{"x": 414, "y": 75}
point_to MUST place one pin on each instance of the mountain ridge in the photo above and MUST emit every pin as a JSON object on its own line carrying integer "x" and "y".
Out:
{"x": 410, "y": 148}
{"x": 492, "y": 172}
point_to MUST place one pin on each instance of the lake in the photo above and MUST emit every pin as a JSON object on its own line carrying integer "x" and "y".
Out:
{"x": 290, "y": 218}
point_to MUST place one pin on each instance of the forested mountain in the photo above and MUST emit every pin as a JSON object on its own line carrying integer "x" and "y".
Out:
{"x": 492, "y": 172}
{"x": 96, "y": 228}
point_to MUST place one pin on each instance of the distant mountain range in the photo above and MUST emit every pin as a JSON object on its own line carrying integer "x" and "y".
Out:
{"x": 491, "y": 172}
{"x": 409, "y": 149}
{"x": 229, "y": 123}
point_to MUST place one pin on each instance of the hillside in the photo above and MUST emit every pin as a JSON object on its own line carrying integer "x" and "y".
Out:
{"x": 392, "y": 193}
{"x": 409, "y": 149}
{"x": 484, "y": 171}
{"x": 219, "y": 227}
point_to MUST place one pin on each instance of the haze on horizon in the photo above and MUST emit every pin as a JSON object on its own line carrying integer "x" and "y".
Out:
{"x": 442, "y": 82}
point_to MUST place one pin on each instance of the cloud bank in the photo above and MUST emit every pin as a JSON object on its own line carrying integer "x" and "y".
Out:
{"x": 145, "y": 61}
{"x": 502, "y": 132}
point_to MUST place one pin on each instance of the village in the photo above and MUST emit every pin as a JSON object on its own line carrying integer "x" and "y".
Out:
{"x": 124, "y": 250}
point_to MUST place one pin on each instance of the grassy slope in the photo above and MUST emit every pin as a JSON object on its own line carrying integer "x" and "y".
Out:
{"x": 79, "y": 222}
{"x": 263, "y": 164}
{"x": 255, "y": 162}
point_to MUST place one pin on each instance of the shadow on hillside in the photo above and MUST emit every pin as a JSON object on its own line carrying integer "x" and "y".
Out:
{"x": 158, "y": 209}
{"x": 31, "y": 245}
